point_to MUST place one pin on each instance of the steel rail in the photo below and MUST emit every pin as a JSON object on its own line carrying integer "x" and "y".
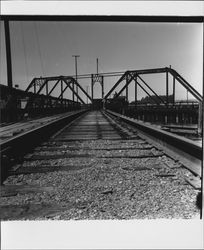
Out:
{"x": 179, "y": 148}
{"x": 17, "y": 146}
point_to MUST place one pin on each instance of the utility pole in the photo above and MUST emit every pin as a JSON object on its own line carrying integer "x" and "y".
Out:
{"x": 97, "y": 66}
{"x": 8, "y": 53}
{"x": 75, "y": 56}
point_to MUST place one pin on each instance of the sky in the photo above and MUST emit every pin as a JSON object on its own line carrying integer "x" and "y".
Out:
{"x": 46, "y": 48}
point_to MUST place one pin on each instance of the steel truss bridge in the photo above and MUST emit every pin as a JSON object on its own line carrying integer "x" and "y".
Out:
{"x": 37, "y": 85}
{"x": 38, "y": 95}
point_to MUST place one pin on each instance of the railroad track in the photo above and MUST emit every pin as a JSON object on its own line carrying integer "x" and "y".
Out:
{"x": 98, "y": 167}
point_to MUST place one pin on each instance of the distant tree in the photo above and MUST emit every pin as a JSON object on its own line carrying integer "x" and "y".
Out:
{"x": 148, "y": 99}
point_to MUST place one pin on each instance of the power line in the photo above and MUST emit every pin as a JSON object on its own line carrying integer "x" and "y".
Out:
{"x": 24, "y": 50}
{"x": 39, "y": 50}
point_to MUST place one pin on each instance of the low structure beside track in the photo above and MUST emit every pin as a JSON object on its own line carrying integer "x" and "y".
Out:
{"x": 17, "y": 146}
{"x": 188, "y": 152}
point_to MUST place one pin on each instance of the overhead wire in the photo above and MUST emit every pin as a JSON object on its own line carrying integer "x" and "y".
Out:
{"x": 58, "y": 30}
{"x": 24, "y": 50}
{"x": 38, "y": 46}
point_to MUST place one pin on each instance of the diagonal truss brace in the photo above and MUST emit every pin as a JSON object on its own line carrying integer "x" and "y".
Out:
{"x": 79, "y": 86}
{"x": 72, "y": 89}
{"x": 61, "y": 95}
{"x": 42, "y": 86}
{"x": 135, "y": 78}
{"x": 185, "y": 84}
{"x": 151, "y": 89}
{"x": 54, "y": 87}
{"x": 130, "y": 76}
{"x": 116, "y": 84}
{"x": 129, "y": 79}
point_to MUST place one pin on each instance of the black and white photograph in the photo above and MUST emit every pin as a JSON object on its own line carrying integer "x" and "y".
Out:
{"x": 101, "y": 124}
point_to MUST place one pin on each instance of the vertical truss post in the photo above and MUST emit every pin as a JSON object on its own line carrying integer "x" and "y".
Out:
{"x": 75, "y": 57}
{"x": 92, "y": 83}
{"x": 174, "y": 81}
{"x": 8, "y": 53}
{"x": 127, "y": 88}
{"x": 61, "y": 89}
{"x": 135, "y": 91}
{"x": 61, "y": 95}
{"x": 73, "y": 96}
{"x": 73, "y": 93}
{"x": 87, "y": 90}
{"x": 54, "y": 87}
{"x": 34, "y": 87}
{"x": 167, "y": 88}
{"x": 77, "y": 91}
{"x": 46, "y": 88}
{"x": 82, "y": 91}
{"x": 200, "y": 118}
{"x": 102, "y": 85}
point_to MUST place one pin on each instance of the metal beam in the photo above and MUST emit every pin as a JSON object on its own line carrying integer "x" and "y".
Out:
{"x": 151, "y": 89}
{"x": 34, "y": 86}
{"x": 116, "y": 84}
{"x": 149, "y": 71}
{"x": 186, "y": 85}
{"x": 8, "y": 53}
{"x": 136, "y": 91}
{"x": 61, "y": 95}
{"x": 75, "y": 57}
{"x": 174, "y": 87}
{"x": 46, "y": 88}
{"x": 125, "y": 86}
{"x": 61, "y": 88}
{"x": 77, "y": 84}
{"x": 42, "y": 86}
{"x": 145, "y": 90}
{"x": 167, "y": 88}
{"x": 92, "y": 84}
{"x": 72, "y": 89}
{"x": 102, "y": 86}
{"x": 53, "y": 87}
{"x": 30, "y": 85}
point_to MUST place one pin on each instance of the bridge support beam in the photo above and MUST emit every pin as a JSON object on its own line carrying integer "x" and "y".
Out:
{"x": 92, "y": 84}
{"x": 96, "y": 78}
{"x": 102, "y": 86}
{"x": 136, "y": 91}
{"x": 53, "y": 87}
{"x": 127, "y": 88}
{"x": 8, "y": 53}
{"x": 174, "y": 86}
{"x": 158, "y": 97}
{"x": 145, "y": 89}
{"x": 200, "y": 118}
{"x": 167, "y": 88}
{"x": 62, "y": 91}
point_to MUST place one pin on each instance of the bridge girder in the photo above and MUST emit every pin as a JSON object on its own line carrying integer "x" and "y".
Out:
{"x": 166, "y": 70}
{"x": 44, "y": 81}
{"x": 129, "y": 76}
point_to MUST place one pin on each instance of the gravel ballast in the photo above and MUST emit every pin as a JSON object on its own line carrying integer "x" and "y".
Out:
{"x": 101, "y": 188}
